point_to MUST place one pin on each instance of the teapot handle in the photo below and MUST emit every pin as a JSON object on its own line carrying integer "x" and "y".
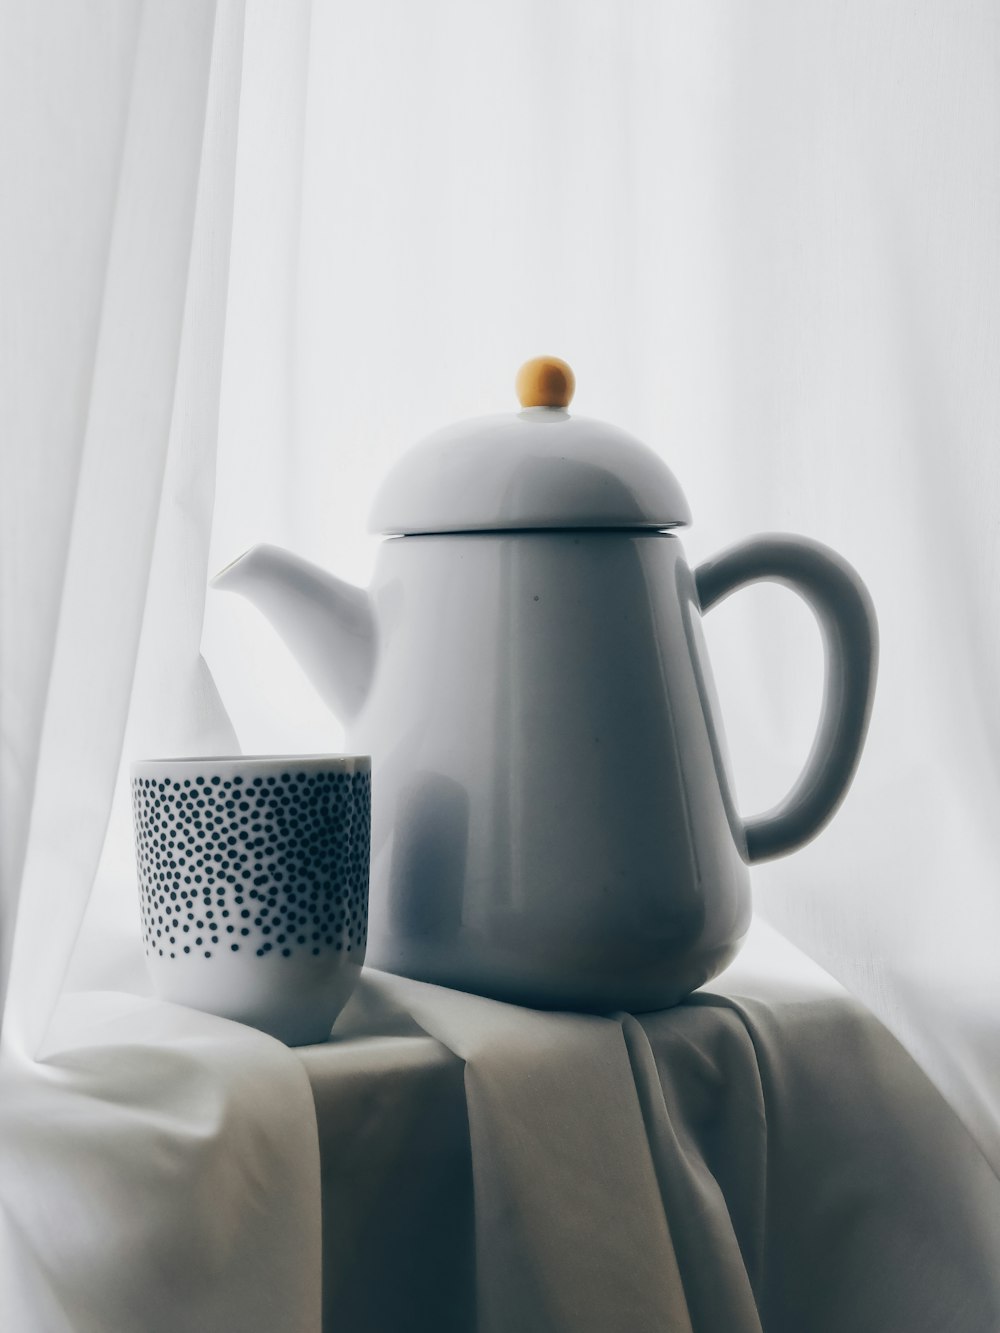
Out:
{"x": 846, "y": 616}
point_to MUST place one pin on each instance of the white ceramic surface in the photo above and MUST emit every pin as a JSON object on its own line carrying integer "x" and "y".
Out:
{"x": 538, "y": 468}
{"x": 253, "y": 885}
{"x": 554, "y": 822}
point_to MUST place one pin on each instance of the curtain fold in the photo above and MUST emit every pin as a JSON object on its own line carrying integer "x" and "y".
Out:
{"x": 56, "y": 82}
{"x": 96, "y": 596}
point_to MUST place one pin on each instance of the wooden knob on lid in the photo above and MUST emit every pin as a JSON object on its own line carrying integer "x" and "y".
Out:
{"x": 545, "y": 381}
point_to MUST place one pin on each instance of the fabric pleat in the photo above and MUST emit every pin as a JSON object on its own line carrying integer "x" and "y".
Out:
{"x": 763, "y": 1157}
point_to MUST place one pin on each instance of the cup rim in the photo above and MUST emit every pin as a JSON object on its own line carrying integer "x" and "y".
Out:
{"x": 351, "y": 763}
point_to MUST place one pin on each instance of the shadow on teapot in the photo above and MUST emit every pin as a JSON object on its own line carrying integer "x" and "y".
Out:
{"x": 430, "y": 850}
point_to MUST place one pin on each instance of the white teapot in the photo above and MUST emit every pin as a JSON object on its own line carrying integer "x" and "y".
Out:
{"x": 552, "y": 817}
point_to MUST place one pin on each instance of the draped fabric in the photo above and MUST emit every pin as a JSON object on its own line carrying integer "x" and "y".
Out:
{"x": 709, "y": 1167}
{"x": 248, "y": 253}
{"x": 118, "y": 264}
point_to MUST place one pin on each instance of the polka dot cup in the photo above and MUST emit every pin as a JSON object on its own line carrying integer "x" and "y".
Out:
{"x": 253, "y": 885}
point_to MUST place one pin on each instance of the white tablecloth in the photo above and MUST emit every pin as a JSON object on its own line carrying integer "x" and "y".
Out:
{"x": 764, "y": 1157}
{"x": 158, "y": 1174}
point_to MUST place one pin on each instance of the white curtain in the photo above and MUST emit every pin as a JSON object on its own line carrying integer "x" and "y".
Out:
{"x": 765, "y": 238}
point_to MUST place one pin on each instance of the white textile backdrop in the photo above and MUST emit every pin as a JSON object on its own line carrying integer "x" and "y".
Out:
{"x": 764, "y": 236}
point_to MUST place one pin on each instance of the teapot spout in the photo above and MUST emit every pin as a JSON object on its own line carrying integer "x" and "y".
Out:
{"x": 327, "y": 624}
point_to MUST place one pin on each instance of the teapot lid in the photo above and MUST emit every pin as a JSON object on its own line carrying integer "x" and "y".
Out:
{"x": 537, "y": 468}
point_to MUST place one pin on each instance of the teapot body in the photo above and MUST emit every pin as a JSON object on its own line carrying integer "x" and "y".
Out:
{"x": 553, "y": 821}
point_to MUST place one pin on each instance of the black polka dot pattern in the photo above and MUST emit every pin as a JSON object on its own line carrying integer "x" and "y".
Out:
{"x": 270, "y": 864}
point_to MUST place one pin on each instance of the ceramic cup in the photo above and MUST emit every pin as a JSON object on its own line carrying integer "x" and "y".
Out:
{"x": 253, "y": 885}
